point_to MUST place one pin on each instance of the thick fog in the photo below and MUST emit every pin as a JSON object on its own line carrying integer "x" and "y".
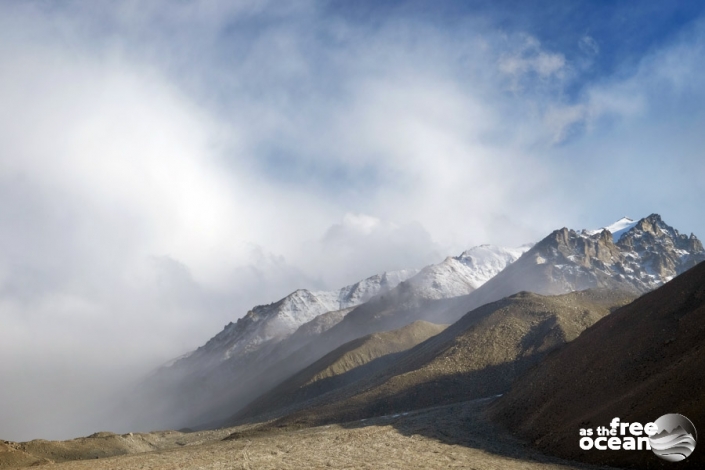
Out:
{"x": 166, "y": 166}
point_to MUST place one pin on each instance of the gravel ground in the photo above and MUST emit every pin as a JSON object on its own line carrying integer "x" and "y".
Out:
{"x": 454, "y": 436}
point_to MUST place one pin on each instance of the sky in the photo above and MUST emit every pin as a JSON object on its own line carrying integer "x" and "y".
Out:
{"x": 166, "y": 166}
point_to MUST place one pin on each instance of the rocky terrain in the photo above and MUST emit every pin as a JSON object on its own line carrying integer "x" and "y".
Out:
{"x": 456, "y": 436}
{"x": 644, "y": 257}
{"x": 479, "y": 356}
{"x": 645, "y": 360}
{"x": 97, "y": 446}
{"x": 346, "y": 365}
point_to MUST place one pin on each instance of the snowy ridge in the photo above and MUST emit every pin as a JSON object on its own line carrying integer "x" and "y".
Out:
{"x": 642, "y": 254}
{"x": 460, "y": 275}
{"x": 360, "y": 292}
{"x": 272, "y": 340}
{"x": 276, "y": 321}
{"x": 270, "y": 324}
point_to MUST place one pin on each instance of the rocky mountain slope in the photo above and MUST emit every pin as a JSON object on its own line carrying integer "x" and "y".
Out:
{"x": 186, "y": 389}
{"x": 273, "y": 322}
{"x": 343, "y": 366}
{"x": 646, "y": 255}
{"x": 428, "y": 296}
{"x": 643, "y": 361}
{"x": 476, "y": 357}
{"x": 274, "y": 341}
{"x": 264, "y": 324}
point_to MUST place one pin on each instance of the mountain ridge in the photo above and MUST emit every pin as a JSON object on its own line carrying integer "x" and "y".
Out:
{"x": 647, "y": 254}
{"x": 476, "y": 357}
{"x": 268, "y": 344}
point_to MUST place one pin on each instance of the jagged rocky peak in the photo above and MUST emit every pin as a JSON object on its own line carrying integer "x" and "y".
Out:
{"x": 581, "y": 248}
{"x": 653, "y": 229}
{"x": 662, "y": 250}
{"x": 646, "y": 253}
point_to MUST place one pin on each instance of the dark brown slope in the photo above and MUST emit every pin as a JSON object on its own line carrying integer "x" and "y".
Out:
{"x": 645, "y": 360}
{"x": 478, "y": 356}
{"x": 350, "y": 362}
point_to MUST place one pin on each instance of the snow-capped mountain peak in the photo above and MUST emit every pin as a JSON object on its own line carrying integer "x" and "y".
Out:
{"x": 639, "y": 255}
{"x": 460, "y": 275}
{"x": 488, "y": 260}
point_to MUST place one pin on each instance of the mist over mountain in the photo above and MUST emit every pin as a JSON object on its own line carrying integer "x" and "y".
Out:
{"x": 274, "y": 342}
{"x": 371, "y": 349}
{"x": 264, "y": 347}
{"x": 187, "y": 387}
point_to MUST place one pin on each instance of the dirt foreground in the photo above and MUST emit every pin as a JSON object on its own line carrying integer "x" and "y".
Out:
{"x": 454, "y": 436}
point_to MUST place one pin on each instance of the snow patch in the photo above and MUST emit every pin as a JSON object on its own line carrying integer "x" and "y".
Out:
{"x": 617, "y": 229}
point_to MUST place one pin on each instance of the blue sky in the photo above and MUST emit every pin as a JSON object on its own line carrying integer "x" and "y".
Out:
{"x": 169, "y": 165}
{"x": 627, "y": 29}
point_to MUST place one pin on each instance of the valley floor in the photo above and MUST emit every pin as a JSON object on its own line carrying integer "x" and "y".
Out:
{"x": 454, "y": 436}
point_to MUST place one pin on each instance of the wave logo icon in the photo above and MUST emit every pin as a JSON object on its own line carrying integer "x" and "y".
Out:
{"x": 675, "y": 439}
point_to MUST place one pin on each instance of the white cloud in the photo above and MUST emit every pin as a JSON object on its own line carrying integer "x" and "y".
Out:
{"x": 146, "y": 215}
{"x": 362, "y": 245}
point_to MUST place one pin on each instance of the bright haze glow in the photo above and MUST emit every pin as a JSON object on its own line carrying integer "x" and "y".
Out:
{"x": 166, "y": 166}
